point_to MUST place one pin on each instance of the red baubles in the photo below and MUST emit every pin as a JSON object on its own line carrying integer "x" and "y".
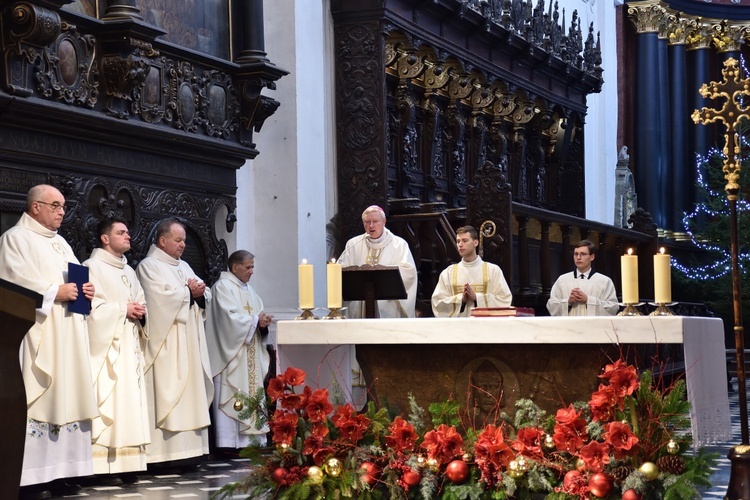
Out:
{"x": 600, "y": 484}
{"x": 457, "y": 471}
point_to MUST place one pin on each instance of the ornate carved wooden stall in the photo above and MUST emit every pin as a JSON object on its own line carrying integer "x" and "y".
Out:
{"x": 453, "y": 112}
{"x": 142, "y": 109}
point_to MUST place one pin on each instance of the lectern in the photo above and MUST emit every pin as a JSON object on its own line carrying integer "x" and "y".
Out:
{"x": 370, "y": 284}
{"x": 17, "y": 314}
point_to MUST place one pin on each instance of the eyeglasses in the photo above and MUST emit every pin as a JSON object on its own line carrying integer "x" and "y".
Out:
{"x": 55, "y": 207}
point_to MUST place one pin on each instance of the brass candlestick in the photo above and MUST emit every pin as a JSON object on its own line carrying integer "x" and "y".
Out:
{"x": 662, "y": 309}
{"x": 306, "y": 314}
{"x": 335, "y": 313}
{"x": 631, "y": 309}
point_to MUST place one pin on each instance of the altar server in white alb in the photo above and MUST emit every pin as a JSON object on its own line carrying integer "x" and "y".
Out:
{"x": 379, "y": 246}
{"x": 116, "y": 336}
{"x": 236, "y": 334}
{"x": 55, "y": 351}
{"x": 178, "y": 373}
{"x": 470, "y": 283}
{"x": 583, "y": 292}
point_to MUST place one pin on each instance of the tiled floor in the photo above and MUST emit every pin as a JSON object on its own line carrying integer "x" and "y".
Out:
{"x": 212, "y": 474}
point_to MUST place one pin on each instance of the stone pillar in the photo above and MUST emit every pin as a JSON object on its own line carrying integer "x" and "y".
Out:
{"x": 699, "y": 139}
{"x": 646, "y": 16}
{"x": 681, "y": 160}
{"x": 664, "y": 190}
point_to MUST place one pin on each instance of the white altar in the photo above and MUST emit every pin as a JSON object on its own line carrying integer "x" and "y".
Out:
{"x": 324, "y": 349}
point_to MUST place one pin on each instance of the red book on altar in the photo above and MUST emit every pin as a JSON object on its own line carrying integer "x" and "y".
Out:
{"x": 500, "y": 312}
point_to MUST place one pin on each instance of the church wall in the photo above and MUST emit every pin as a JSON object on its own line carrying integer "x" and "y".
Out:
{"x": 285, "y": 194}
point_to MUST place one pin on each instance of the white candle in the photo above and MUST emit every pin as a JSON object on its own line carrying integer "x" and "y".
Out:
{"x": 662, "y": 278}
{"x": 333, "y": 275}
{"x": 629, "y": 268}
{"x": 306, "y": 289}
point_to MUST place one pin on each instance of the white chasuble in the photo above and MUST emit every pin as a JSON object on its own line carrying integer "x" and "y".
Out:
{"x": 388, "y": 250}
{"x": 121, "y": 432}
{"x": 239, "y": 358}
{"x": 178, "y": 373}
{"x": 486, "y": 279}
{"x": 602, "y": 297}
{"x": 54, "y": 357}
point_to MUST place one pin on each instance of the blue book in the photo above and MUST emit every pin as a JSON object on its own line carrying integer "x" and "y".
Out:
{"x": 79, "y": 275}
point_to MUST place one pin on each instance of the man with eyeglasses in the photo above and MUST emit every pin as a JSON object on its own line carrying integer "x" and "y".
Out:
{"x": 55, "y": 351}
{"x": 583, "y": 292}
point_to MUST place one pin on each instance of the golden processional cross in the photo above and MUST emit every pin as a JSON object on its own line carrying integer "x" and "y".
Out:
{"x": 733, "y": 90}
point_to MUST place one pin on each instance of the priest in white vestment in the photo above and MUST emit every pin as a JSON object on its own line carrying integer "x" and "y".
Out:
{"x": 178, "y": 373}
{"x": 236, "y": 333}
{"x": 55, "y": 351}
{"x": 378, "y": 246}
{"x": 470, "y": 283}
{"x": 583, "y": 292}
{"x": 116, "y": 336}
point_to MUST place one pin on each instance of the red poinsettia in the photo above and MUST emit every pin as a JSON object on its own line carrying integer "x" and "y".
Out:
{"x": 443, "y": 444}
{"x": 318, "y": 407}
{"x": 622, "y": 378}
{"x": 492, "y": 453}
{"x": 402, "y": 437}
{"x": 528, "y": 442}
{"x": 284, "y": 427}
{"x": 595, "y": 455}
{"x": 603, "y": 403}
{"x": 350, "y": 425}
{"x": 621, "y": 438}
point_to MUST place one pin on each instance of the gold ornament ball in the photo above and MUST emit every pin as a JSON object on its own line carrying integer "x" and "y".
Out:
{"x": 282, "y": 448}
{"x": 672, "y": 447}
{"x": 333, "y": 467}
{"x": 649, "y": 470}
{"x": 433, "y": 464}
{"x": 421, "y": 461}
{"x": 238, "y": 406}
{"x": 549, "y": 442}
{"x": 467, "y": 457}
{"x": 514, "y": 469}
{"x": 315, "y": 474}
{"x": 522, "y": 464}
{"x": 580, "y": 464}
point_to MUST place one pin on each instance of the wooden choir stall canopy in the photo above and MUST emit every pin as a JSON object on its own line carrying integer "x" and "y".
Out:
{"x": 552, "y": 361}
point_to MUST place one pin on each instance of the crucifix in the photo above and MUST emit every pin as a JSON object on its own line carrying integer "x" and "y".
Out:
{"x": 248, "y": 308}
{"x": 735, "y": 91}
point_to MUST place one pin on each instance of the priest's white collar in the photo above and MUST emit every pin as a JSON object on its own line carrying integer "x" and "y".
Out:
{"x": 162, "y": 256}
{"x": 108, "y": 258}
{"x": 28, "y": 222}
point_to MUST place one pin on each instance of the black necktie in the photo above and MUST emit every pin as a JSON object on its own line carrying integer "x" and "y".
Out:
{"x": 583, "y": 276}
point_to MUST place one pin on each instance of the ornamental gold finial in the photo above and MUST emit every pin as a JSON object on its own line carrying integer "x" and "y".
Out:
{"x": 486, "y": 230}
{"x": 732, "y": 89}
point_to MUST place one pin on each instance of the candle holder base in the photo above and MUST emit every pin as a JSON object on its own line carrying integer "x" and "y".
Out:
{"x": 630, "y": 310}
{"x": 306, "y": 314}
{"x": 662, "y": 309}
{"x": 334, "y": 313}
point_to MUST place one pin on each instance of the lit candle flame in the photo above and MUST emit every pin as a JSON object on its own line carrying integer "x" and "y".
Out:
{"x": 630, "y": 251}
{"x": 662, "y": 250}
{"x": 304, "y": 261}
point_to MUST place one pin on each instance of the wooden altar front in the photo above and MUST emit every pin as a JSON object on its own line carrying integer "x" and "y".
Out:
{"x": 552, "y": 361}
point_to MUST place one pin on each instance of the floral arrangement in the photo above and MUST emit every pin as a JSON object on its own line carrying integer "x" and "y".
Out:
{"x": 629, "y": 441}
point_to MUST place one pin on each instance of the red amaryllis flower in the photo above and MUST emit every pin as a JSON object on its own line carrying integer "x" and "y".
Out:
{"x": 621, "y": 438}
{"x": 570, "y": 438}
{"x": 595, "y": 455}
{"x": 566, "y": 416}
{"x": 294, "y": 376}
{"x": 350, "y": 425}
{"x": 318, "y": 406}
{"x": 443, "y": 444}
{"x": 622, "y": 378}
{"x": 402, "y": 436}
{"x": 284, "y": 427}
{"x": 492, "y": 454}
{"x": 529, "y": 442}
{"x": 290, "y": 401}
{"x": 603, "y": 403}
{"x": 276, "y": 387}
{"x": 314, "y": 443}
